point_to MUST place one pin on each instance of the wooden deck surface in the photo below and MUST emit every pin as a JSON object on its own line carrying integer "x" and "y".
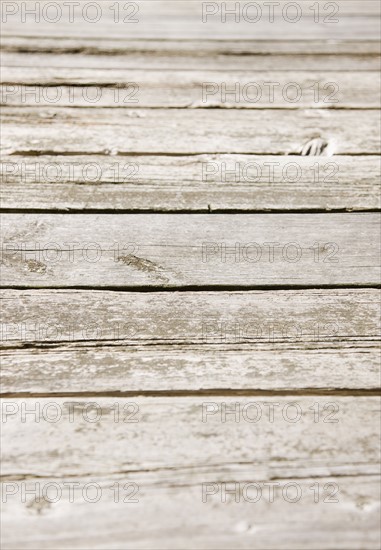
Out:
{"x": 190, "y": 276}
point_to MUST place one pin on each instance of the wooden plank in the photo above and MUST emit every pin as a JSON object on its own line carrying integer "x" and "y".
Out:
{"x": 37, "y": 130}
{"x": 170, "y": 353}
{"x": 170, "y": 513}
{"x": 150, "y": 251}
{"x": 185, "y": 89}
{"x": 292, "y": 368}
{"x": 282, "y": 439}
{"x": 185, "y": 8}
{"x": 270, "y": 341}
{"x": 109, "y": 54}
{"x": 192, "y": 453}
{"x": 195, "y": 62}
{"x": 189, "y": 20}
{"x": 306, "y": 317}
{"x": 190, "y": 183}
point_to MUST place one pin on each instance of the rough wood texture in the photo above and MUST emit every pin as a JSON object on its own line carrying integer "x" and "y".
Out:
{"x": 170, "y": 452}
{"x": 185, "y": 89}
{"x": 179, "y": 518}
{"x": 129, "y": 251}
{"x": 177, "y": 433}
{"x": 190, "y": 183}
{"x": 107, "y": 54}
{"x": 343, "y": 315}
{"x": 150, "y": 328}
{"x": 183, "y": 20}
{"x": 40, "y": 130}
{"x": 294, "y": 340}
{"x": 291, "y": 368}
{"x": 199, "y": 50}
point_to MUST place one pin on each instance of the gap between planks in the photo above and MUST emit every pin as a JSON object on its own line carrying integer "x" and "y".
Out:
{"x": 313, "y": 392}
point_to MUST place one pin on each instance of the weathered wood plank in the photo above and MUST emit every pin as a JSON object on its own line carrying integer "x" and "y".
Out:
{"x": 184, "y": 89}
{"x": 171, "y": 452}
{"x": 143, "y": 250}
{"x": 259, "y": 368}
{"x": 305, "y": 317}
{"x": 108, "y": 54}
{"x": 268, "y": 348}
{"x": 189, "y": 20}
{"x": 183, "y": 432}
{"x": 294, "y": 340}
{"x": 39, "y": 130}
{"x": 170, "y": 513}
{"x": 190, "y": 183}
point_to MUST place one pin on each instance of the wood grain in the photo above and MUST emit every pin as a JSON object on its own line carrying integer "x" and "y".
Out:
{"x": 196, "y": 49}
{"x": 177, "y": 433}
{"x": 171, "y": 515}
{"x": 40, "y": 130}
{"x": 256, "y": 369}
{"x": 283, "y": 340}
{"x": 190, "y": 183}
{"x": 185, "y": 89}
{"x": 183, "y": 20}
{"x": 151, "y": 326}
{"x": 170, "y": 453}
{"x": 143, "y": 250}
{"x": 104, "y": 54}
{"x": 343, "y": 315}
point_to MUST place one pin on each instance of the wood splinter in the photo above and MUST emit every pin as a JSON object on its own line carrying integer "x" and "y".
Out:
{"x": 314, "y": 147}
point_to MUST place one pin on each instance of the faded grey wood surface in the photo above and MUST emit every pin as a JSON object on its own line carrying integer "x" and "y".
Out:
{"x": 277, "y": 341}
{"x": 252, "y": 250}
{"x": 43, "y": 130}
{"x": 81, "y": 336}
{"x": 162, "y": 433}
{"x": 174, "y": 507}
{"x": 201, "y": 89}
{"x": 200, "y": 50}
{"x": 183, "y": 20}
{"x": 107, "y": 54}
{"x": 190, "y": 183}
{"x": 290, "y": 368}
